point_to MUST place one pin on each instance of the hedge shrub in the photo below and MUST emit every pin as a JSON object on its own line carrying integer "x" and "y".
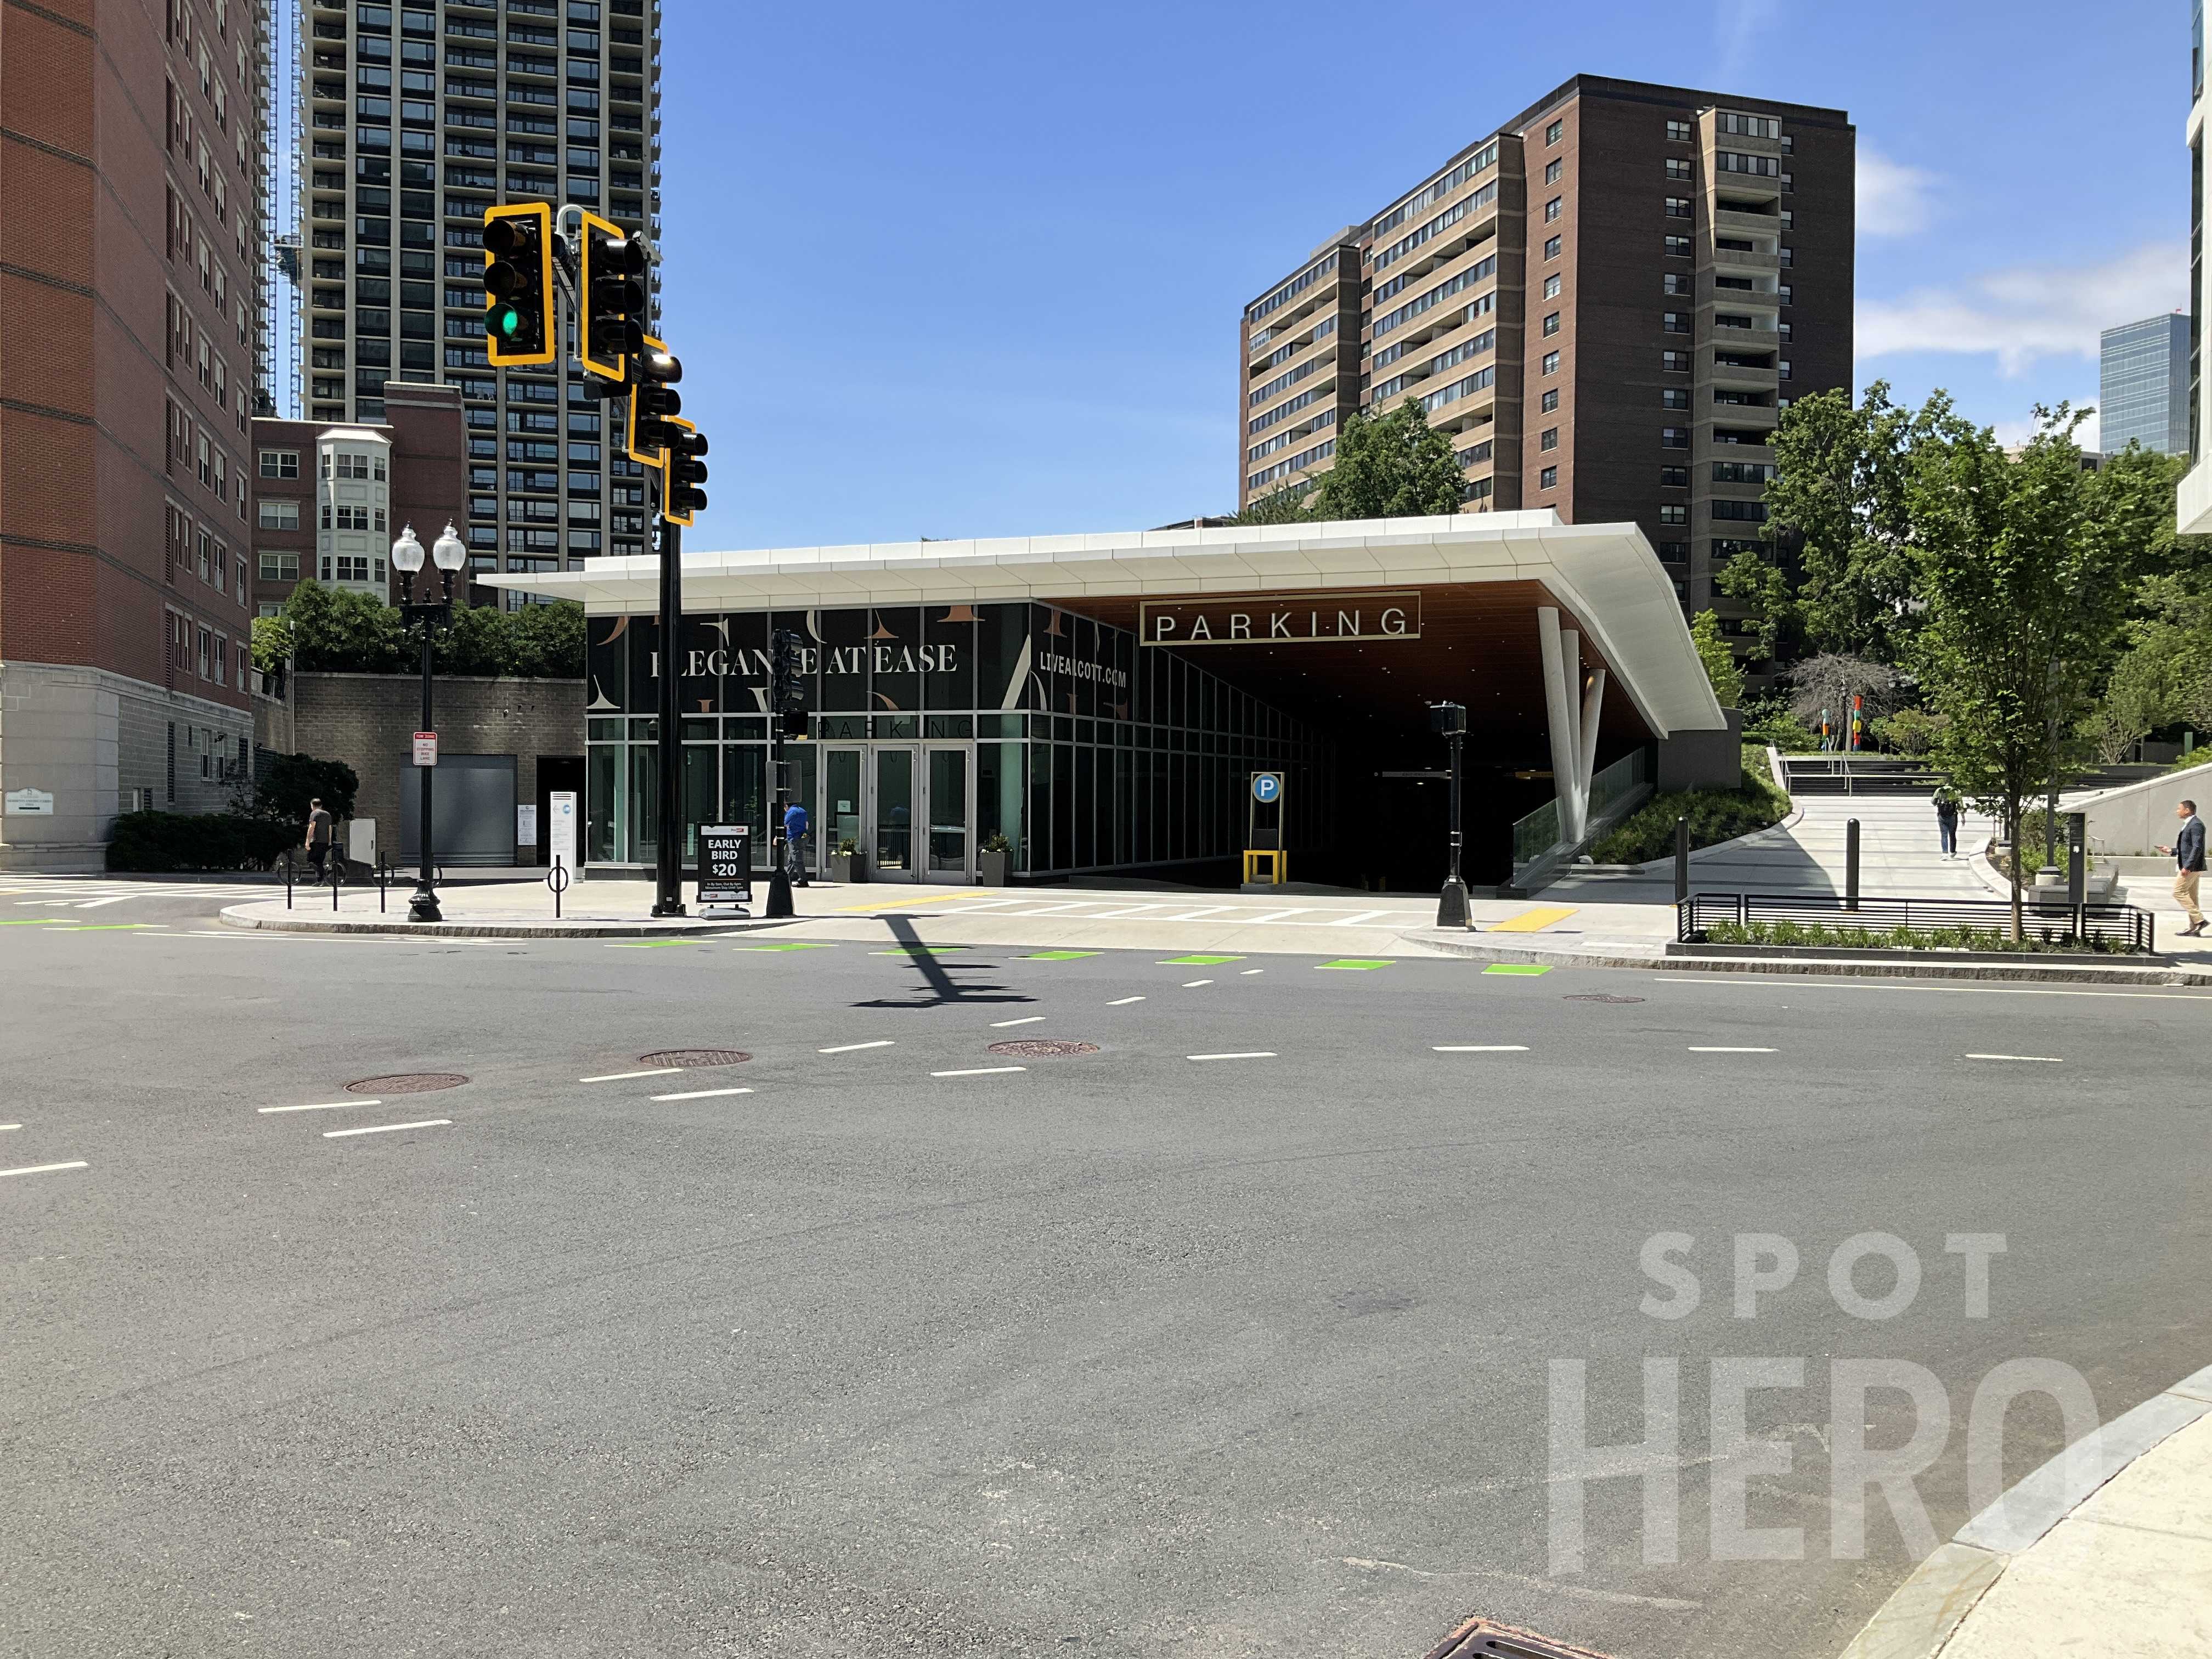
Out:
{"x": 1715, "y": 815}
{"x": 161, "y": 841}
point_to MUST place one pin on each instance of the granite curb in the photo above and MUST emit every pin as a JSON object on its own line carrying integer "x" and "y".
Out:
{"x": 492, "y": 927}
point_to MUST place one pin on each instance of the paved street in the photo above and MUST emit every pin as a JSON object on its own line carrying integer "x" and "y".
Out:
{"x": 1229, "y": 1338}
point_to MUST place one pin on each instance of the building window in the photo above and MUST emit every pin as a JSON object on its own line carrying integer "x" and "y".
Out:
{"x": 1552, "y": 169}
{"x": 1678, "y": 132}
{"x": 1783, "y": 369}
{"x": 1548, "y": 478}
{"x": 280, "y": 567}
{"x": 280, "y": 462}
{"x": 1551, "y": 209}
{"x": 1674, "y": 516}
{"x": 1552, "y": 247}
{"x": 1678, "y": 207}
{"x": 1674, "y": 552}
{"x": 1677, "y": 170}
{"x": 352, "y": 518}
{"x": 1551, "y": 362}
{"x": 1674, "y": 437}
{"x": 1552, "y": 284}
{"x": 1550, "y": 400}
{"x": 1674, "y": 363}
{"x": 1551, "y": 323}
{"x": 280, "y": 515}
{"x": 1550, "y": 440}
{"x": 1675, "y": 282}
{"x": 1678, "y": 247}
{"x": 1673, "y": 396}
{"x": 1673, "y": 477}
{"x": 351, "y": 568}
{"x": 1551, "y": 133}
{"x": 1675, "y": 322}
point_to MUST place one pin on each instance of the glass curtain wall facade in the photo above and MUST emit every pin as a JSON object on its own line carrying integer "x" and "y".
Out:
{"x": 1085, "y": 750}
{"x": 419, "y": 118}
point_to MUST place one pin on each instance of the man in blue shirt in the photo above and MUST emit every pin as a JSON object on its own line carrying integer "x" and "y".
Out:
{"x": 794, "y": 842}
{"x": 2188, "y": 850}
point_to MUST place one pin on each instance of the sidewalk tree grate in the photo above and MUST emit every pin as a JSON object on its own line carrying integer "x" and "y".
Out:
{"x": 1599, "y": 996}
{"x": 692, "y": 1059}
{"x": 407, "y": 1083}
{"x": 1485, "y": 1638}
{"x": 1042, "y": 1048}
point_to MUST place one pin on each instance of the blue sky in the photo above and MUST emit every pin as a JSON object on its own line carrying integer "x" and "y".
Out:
{"x": 964, "y": 270}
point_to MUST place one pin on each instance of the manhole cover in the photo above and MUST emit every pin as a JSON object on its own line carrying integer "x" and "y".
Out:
{"x": 1486, "y": 1638}
{"x": 1600, "y": 996}
{"x": 693, "y": 1059}
{"x": 407, "y": 1083}
{"x": 1042, "y": 1048}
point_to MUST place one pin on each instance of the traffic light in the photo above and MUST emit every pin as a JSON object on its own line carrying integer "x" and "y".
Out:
{"x": 682, "y": 500}
{"x": 787, "y": 685}
{"x": 653, "y": 402}
{"x": 613, "y": 281}
{"x": 518, "y": 243}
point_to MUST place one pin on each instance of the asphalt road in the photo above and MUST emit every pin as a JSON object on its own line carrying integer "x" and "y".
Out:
{"x": 1127, "y": 1353}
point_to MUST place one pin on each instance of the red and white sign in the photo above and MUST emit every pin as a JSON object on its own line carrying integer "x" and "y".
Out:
{"x": 426, "y": 749}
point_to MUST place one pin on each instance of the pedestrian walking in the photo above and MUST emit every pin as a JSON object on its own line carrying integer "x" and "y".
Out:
{"x": 1947, "y": 822}
{"x": 2188, "y": 850}
{"x": 318, "y": 835}
{"x": 794, "y": 842}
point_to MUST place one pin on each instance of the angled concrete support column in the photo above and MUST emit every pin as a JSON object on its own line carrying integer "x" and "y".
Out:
{"x": 1586, "y": 756}
{"x": 1562, "y": 673}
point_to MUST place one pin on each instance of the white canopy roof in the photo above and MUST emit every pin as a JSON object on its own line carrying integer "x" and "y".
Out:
{"x": 1605, "y": 574}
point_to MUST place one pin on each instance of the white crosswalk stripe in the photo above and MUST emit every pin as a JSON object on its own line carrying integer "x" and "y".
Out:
{"x": 91, "y": 893}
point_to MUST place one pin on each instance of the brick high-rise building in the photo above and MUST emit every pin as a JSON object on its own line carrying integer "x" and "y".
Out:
{"x": 1605, "y": 302}
{"x": 131, "y": 155}
{"x": 419, "y": 118}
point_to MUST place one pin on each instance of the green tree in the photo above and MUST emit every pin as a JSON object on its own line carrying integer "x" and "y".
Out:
{"x": 1285, "y": 504}
{"x": 1719, "y": 660}
{"x": 272, "y": 644}
{"x": 284, "y": 784}
{"x": 1394, "y": 466}
{"x": 1839, "y": 519}
{"x": 549, "y": 641}
{"x": 336, "y": 630}
{"x": 2024, "y": 567}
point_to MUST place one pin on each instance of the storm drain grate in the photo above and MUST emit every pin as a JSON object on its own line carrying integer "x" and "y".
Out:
{"x": 1042, "y": 1048}
{"x": 1600, "y": 996}
{"x": 692, "y": 1059}
{"x": 407, "y": 1083}
{"x": 1481, "y": 1639}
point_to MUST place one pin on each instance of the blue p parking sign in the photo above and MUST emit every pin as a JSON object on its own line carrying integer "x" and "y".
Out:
{"x": 1267, "y": 787}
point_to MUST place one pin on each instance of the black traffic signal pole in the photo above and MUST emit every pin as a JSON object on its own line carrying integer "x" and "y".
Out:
{"x": 1450, "y": 719}
{"x": 668, "y": 898}
{"x": 779, "y": 876}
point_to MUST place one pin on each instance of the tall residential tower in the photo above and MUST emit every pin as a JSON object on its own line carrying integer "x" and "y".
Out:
{"x": 419, "y": 118}
{"x": 1606, "y": 302}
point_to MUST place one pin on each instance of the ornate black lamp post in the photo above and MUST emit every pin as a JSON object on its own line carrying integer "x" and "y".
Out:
{"x": 451, "y": 553}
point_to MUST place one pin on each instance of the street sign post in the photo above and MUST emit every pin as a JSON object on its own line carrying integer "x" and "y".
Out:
{"x": 1263, "y": 830}
{"x": 1267, "y": 787}
{"x": 426, "y": 749}
{"x": 726, "y": 864}
{"x": 560, "y": 838}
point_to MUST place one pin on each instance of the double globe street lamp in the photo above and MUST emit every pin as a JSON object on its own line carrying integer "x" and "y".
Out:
{"x": 451, "y": 553}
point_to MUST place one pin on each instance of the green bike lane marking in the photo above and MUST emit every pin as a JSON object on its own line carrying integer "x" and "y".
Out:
{"x": 788, "y": 944}
{"x": 1356, "y": 962}
{"x": 1527, "y": 968}
{"x": 1057, "y": 956}
{"x": 1196, "y": 962}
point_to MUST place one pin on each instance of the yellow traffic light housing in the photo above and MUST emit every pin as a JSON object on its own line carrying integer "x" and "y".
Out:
{"x": 611, "y": 289}
{"x": 519, "y": 297}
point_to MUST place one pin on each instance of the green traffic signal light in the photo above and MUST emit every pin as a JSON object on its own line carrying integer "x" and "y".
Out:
{"x": 509, "y": 321}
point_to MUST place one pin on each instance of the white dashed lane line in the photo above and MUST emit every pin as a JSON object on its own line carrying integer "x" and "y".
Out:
{"x": 1030, "y": 1019}
{"x": 981, "y": 1071}
{"x": 44, "y": 1168}
{"x": 1193, "y": 984}
{"x": 389, "y": 1128}
{"x": 625, "y": 1076}
{"x": 1123, "y": 1002}
{"x": 1248, "y": 972}
{"x": 2040, "y": 1059}
{"x": 320, "y": 1106}
{"x": 703, "y": 1094}
{"x": 1481, "y": 1048}
{"x": 1696, "y": 1049}
{"x": 856, "y": 1048}
{"x": 1255, "y": 1054}
{"x": 4, "y": 1127}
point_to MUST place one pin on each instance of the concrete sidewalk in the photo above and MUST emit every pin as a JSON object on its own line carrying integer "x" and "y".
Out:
{"x": 2105, "y": 1550}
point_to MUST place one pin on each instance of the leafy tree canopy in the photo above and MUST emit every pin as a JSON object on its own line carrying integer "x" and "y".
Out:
{"x": 1393, "y": 466}
{"x": 1720, "y": 662}
{"x": 336, "y": 630}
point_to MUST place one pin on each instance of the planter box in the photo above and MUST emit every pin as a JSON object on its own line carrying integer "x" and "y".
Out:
{"x": 991, "y": 869}
{"x": 848, "y": 868}
{"x": 1846, "y": 953}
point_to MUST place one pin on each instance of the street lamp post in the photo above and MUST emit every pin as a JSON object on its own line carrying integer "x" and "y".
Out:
{"x": 450, "y": 553}
{"x": 1448, "y": 720}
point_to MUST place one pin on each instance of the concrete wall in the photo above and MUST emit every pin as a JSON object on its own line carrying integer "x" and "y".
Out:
{"x": 2139, "y": 817}
{"x": 367, "y": 720}
{"x": 1703, "y": 760}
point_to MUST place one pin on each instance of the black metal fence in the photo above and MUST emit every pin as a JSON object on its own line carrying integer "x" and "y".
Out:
{"x": 2117, "y": 927}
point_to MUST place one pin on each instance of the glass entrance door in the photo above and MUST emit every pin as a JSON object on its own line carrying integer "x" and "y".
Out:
{"x": 839, "y": 815}
{"x": 948, "y": 816}
{"x": 895, "y": 802}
